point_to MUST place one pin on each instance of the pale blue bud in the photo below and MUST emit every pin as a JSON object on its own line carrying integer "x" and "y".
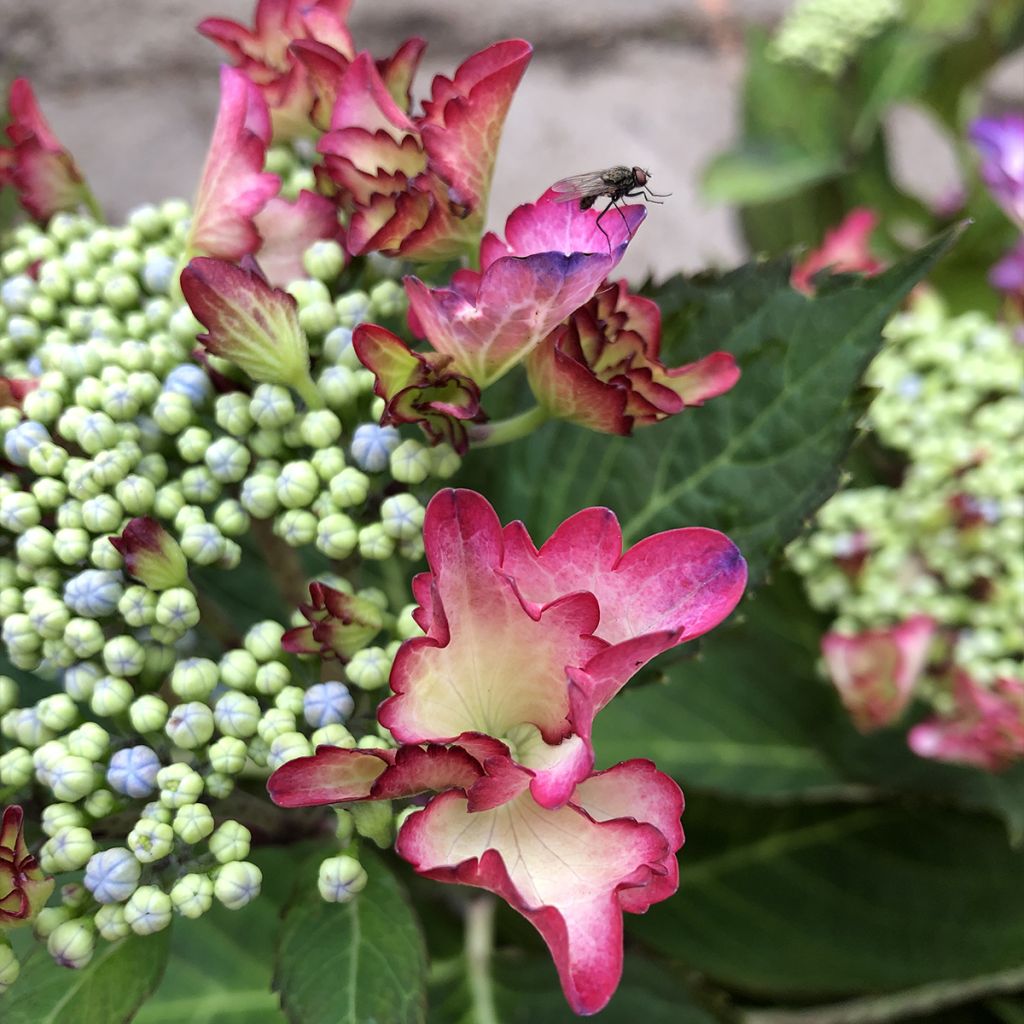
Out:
{"x": 132, "y": 771}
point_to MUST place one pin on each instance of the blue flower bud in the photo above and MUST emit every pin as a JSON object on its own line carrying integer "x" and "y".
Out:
{"x": 20, "y": 441}
{"x": 94, "y": 593}
{"x": 132, "y": 771}
{"x": 372, "y": 446}
{"x": 327, "y": 703}
{"x": 112, "y": 875}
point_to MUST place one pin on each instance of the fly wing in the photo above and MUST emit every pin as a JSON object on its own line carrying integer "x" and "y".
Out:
{"x": 581, "y": 186}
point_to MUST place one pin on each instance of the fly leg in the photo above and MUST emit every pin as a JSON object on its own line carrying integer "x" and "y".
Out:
{"x": 613, "y": 202}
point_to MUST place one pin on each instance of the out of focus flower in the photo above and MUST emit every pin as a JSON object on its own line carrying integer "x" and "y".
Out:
{"x": 418, "y": 387}
{"x": 984, "y": 729}
{"x": 1008, "y": 276}
{"x": 601, "y": 369}
{"x": 42, "y": 171}
{"x": 263, "y": 54}
{"x": 24, "y": 889}
{"x": 1000, "y": 141}
{"x": 845, "y": 250}
{"x": 552, "y": 261}
{"x": 418, "y": 187}
{"x": 875, "y": 671}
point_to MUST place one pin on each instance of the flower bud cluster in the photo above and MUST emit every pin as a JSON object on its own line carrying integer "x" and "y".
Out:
{"x": 132, "y": 706}
{"x": 947, "y": 540}
{"x": 826, "y": 35}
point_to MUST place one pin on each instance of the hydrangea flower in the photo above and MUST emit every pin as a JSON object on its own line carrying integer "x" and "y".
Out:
{"x": 417, "y": 187}
{"x": 875, "y": 671}
{"x": 339, "y": 624}
{"x": 601, "y": 368}
{"x": 552, "y": 260}
{"x": 493, "y": 709}
{"x": 985, "y": 728}
{"x": 151, "y": 554}
{"x": 24, "y": 888}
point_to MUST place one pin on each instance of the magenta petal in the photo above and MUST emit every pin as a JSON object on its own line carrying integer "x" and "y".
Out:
{"x": 427, "y": 769}
{"x": 332, "y": 775}
{"x": 684, "y": 581}
{"x": 517, "y": 304}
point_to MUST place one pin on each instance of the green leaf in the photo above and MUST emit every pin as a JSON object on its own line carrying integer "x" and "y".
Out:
{"x": 109, "y": 990}
{"x": 221, "y": 965}
{"x": 762, "y": 171}
{"x": 355, "y": 963}
{"x": 755, "y": 462}
{"x": 526, "y": 991}
{"x": 826, "y": 902}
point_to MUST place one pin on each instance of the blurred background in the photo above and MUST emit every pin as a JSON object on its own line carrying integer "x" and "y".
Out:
{"x": 130, "y": 88}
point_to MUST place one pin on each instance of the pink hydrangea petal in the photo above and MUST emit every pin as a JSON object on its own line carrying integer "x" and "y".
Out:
{"x": 288, "y": 228}
{"x": 560, "y": 869}
{"x": 331, "y": 775}
{"x": 705, "y": 379}
{"x": 875, "y": 671}
{"x": 398, "y": 70}
{"x": 363, "y": 101}
{"x": 518, "y": 302}
{"x": 488, "y": 663}
{"x": 636, "y": 789}
{"x": 233, "y": 187}
{"x": 846, "y": 249}
{"x": 546, "y": 226}
{"x": 462, "y": 125}
{"x": 426, "y": 769}
{"x": 686, "y": 580}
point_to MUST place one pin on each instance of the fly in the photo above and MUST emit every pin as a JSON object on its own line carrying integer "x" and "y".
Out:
{"x": 615, "y": 183}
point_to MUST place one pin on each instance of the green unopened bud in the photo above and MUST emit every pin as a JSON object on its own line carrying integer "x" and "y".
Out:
{"x": 72, "y": 943}
{"x": 49, "y": 919}
{"x": 446, "y": 461}
{"x": 227, "y": 755}
{"x": 148, "y": 713}
{"x": 90, "y": 740}
{"x": 296, "y": 527}
{"x": 333, "y": 735}
{"x": 411, "y": 462}
{"x": 71, "y": 848}
{"x": 291, "y": 699}
{"x": 72, "y": 778}
{"x": 271, "y": 678}
{"x": 8, "y": 694}
{"x": 124, "y": 656}
{"x": 111, "y": 696}
{"x": 137, "y": 606}
{"x": 111, "y": 922}
{"x": 402, "y": 516}
{"x": 177, "y": 609}
{"x": 230, "y": 842}
{"x": 274, "y": 723}
{"x": 16, "y": 767}
{"x": 9, "y": 967}
{"x": 193, "y": 823}
{"x": 192, "y": 895}
{"x": 238, "y": 883}
{"x": 336, "y": 535}
{"x": 349, "y": 488}
{"x": 58, "y": 817}
{"x": 150, "y": 840}
{"x": 173, "y": 412}
{"x": 179, "y": 785}
{"x": 99, "y": 804}
{"x": 58, "y": 712}
{"x": 340, "y": 879}
{"x": 190, "y": 725}
{"x": 231, "y": 518}
{"x": 237, "y": 715}
{"x": 238, "y": 669}
{"x": 369, "y": 669}
{"x": 152, "y": 555}
{"x": 324, "y": 260}
{"x": 263, "y": 641}
{"x": 148, "y": 910}
{"x": 287, "y": 747}
{"x": 375, "y": 544}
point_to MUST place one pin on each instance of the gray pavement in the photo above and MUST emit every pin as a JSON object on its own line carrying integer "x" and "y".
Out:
{"x": 132, "y": 90}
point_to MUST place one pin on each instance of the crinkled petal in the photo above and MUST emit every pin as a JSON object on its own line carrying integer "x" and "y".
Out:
{"x": 560, "y": 869}
{"x": 683, "y": 581}
{"x": 462, "y": 124}
{"x": 398, "y": 70}
{"x": 233, "y": 187}
{"x": 331, "y": 775}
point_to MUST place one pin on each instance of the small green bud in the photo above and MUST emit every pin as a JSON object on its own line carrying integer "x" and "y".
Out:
{"x": 219, "y": 786}
{"x": 194, "y": 678}
{"x": 148, "y": 910}
{"x": 148, "y": 713}
{"x": 236, "y": 715}
{"x": 190, "y": 725}
{"x": 271, "y": 678}
{"x": 16, "y": 767}
{"x": 238, "y": 669}
{"x": 124, "y": 656}
{"x": 296, "y": 527}
{"x": 111, "y": 696}
{"x": 230, "y": 842}
{"x": 72, "y": 778}
{"x": 375, "y": 544}
{"x": 72, "y": 943}
{"x": 177, "y": 609}
{"x": 411, "y": 462}
{"x": 402, "y": 516}
{"x": 333, "y": 735}
{"x": 340, "y": 879}
{"x": 58, "y": 712}
{"x": 89, "y": 740}
{"x": 231, "y": 518}
{"x": 72, "y": 847}
{"x": 274, "y": 723}
{"x": 137, "y": 606}
{"x": 336, "y": 535}
{"x": 58, "y": 817}
{"x": 193, "y": 823}
{"x": 237, "y": 884}
{"x": 111, "y": 922}
{"x": 446, "y": 461}
{"x": 227, "y": 755}
{"x": 291, "y": 699}
{"x": 263, "y": 641}
{"x": 179, "y": 785}
{"x": 349, "y": 488}
{"x": 369, "y": 669}
{"x": 324, "y": 260}
{"x": 99, "y": 804}
{"x": 150, "y": 840}
{"x": 192, "y": 895}
{"x": 286, "y": 747}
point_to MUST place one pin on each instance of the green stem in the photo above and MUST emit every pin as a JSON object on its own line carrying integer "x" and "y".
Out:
{"x": 283, "y": 562}
{"x": 479, "y": 947}
{"x": 308, "y": 392}
{"x": 512, "y": 429}
{"x": 92, "y": 204}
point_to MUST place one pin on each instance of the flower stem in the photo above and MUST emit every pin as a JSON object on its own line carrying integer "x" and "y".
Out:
{"x": 503, "y": 431}
{"x": 479, "y": 947}
{"x": 309, "y": 392}
{"x": 92, "y": 204}
{"x": 283, "y": 562}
